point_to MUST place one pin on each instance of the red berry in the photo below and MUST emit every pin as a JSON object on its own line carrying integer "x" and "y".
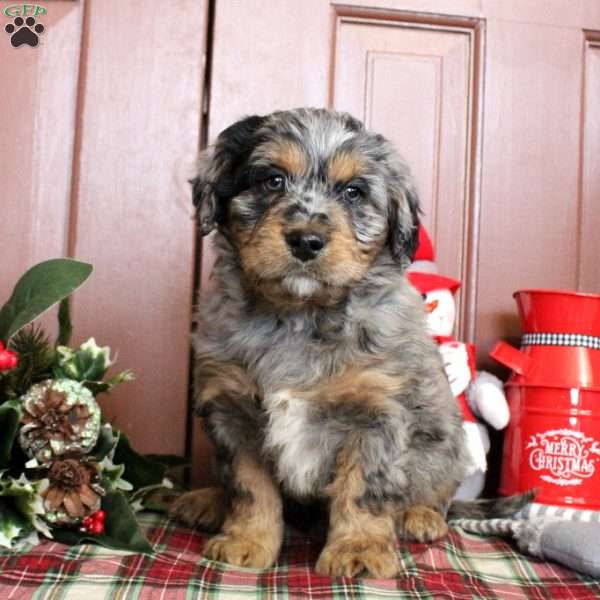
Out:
{"x": 2, "y": 347}
{"x": 13, "y": 360}
{"x": 97, "y": 528}
{"x": 8, "y": 360}
{"x": 99, "y": 516}
{"x": 87, "y": 521}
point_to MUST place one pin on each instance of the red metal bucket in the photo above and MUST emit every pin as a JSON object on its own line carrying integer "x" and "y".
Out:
{"x": 558, "y": 311}
{"x": 553, "y": 439}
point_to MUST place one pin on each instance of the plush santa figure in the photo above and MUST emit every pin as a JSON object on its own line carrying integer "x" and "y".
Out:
{"x": 480, "y": 395}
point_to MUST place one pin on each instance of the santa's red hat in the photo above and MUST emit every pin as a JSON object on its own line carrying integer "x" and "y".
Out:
{"x": 424, "y": 246}
{"x": 422, "y": 273}
{"x": 427, "y": 282}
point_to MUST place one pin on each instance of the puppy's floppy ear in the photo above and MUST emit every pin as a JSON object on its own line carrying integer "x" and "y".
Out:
{"x": 216, "y": 182}
{"x": 203, "y": 195}
{"x": 404, "y": 210}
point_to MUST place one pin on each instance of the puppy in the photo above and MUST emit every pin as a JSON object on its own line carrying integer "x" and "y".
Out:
{"x": 315, "y": 374}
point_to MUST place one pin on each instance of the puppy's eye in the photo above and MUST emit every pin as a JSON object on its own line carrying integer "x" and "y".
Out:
{"x": 352, "y": 194}
{"x": 274, "y": 183}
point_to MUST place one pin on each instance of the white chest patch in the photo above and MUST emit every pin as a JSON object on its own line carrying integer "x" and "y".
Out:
{"x": 302, "y": 450}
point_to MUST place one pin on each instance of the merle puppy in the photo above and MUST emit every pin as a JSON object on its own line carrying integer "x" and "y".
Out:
{"x": 315, "y": 374}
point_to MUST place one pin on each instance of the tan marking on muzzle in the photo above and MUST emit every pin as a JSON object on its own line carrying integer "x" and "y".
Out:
{"x": 346, "y": 260}
{"x": 263, "y": 252}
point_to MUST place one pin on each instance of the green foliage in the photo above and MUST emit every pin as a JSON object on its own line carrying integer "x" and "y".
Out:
{"x": 10, "y": 415}
{"x": 39, "y": 289}
{"x": 107, "y": 441}
{"x": 140, "y": 471}
{"x": 22, "y": 497}
{"x": 13, "y": 525}
{"x": 36, "y": 358}
{"x": 131, "y": 481}
{"x": 89, "y": 364}
{"x": 148, "y": 475}
{"x": 142, "y": 477}
{"x": 65, "y": 327}
{"x": 112, "y": 476}
{"x": 98, "y": 387}
{"x": 122, "y": 529}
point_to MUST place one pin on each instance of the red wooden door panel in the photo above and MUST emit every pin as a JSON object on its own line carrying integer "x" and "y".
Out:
{"x": 140, "y": 122}
{"x": 530, "y": 170}
{"x": 100, "y": 126}
{"x": 37, "y": 117}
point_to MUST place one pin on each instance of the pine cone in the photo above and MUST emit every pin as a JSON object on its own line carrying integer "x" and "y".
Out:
{"x": 60, "y": 417}
{"x": 73, "y": 492}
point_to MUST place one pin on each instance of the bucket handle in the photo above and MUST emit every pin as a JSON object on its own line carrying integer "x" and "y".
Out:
{"x": 512, "y": 358}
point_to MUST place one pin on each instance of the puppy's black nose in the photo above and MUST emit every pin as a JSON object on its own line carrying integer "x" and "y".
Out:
{"x": 305, "y": 245}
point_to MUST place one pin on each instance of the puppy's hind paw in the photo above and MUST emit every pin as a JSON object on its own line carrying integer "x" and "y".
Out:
{"x": 203, "y": 508}
{"x": 351, "y": 556}
{"x": 422, "y": 524}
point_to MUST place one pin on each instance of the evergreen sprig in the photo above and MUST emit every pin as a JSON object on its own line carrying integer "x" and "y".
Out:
{"x": 36, "y": 357}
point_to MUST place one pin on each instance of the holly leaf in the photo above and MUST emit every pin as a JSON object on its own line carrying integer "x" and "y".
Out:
{"x": 122, "y": 531}
{"x": 140, "y": 471}
{"x": 25, "y": 497}
{"x": 13, "y": 525}
{"x": 89, "y": 364}
{"x": 107, "y": 440}
{"x": 10, "y": 415}
{"x": 40, "y": 288}
{"x": 99, "y": 387}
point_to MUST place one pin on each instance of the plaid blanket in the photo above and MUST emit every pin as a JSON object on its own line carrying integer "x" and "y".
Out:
{"x": 461, "y": 566}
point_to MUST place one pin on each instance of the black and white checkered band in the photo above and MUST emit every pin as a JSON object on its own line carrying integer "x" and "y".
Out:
{"x": 561, "y": 339}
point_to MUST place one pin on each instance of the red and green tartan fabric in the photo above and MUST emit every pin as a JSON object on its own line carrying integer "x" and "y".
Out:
{"x": 461, "y": 566}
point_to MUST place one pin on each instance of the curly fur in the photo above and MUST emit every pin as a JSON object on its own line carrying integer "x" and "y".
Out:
{"x": 320, "y": 374}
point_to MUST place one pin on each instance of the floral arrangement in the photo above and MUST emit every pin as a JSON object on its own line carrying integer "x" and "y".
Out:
{"x": 65, "y": 472}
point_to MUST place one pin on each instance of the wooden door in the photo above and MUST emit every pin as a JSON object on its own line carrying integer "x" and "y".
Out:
{"x": 495, "y": 104}
{"x": 100, "y": 126}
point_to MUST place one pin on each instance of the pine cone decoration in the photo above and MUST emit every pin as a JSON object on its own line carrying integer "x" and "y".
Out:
{"x": 73, "y": 492}
{"x": 60, "y": 417}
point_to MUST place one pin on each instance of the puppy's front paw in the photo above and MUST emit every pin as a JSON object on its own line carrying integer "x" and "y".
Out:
{"x": 239, "y": 551}
{"x": 423, "y": 524}
{"x": 350, "y": 556}
{"x": 204, "y": 508}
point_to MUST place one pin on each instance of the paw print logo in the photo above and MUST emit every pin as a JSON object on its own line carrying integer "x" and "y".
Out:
{"x": 24, "y": 31}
